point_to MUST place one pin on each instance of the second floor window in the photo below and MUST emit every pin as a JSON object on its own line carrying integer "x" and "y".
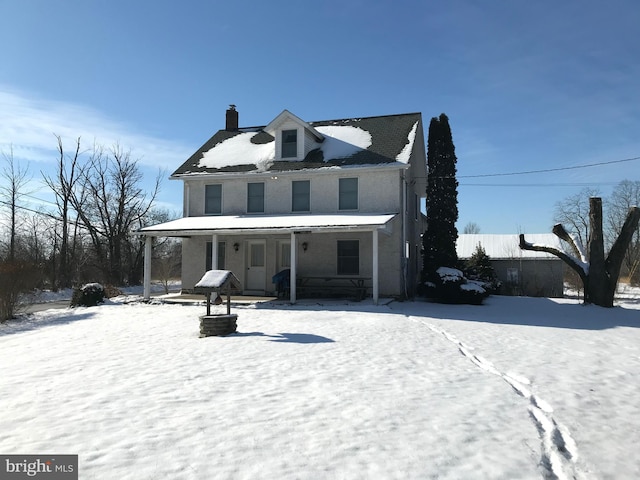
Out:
{"x": 255, "y": 198}
{"x": 300, "y": 193}
{"x": 289, "y": 143}
{"x": 212, "y": 199}
{"x": 348, "y": 194}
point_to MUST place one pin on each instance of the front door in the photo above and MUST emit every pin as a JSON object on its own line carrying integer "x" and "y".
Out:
{"x": 256, "y": 267}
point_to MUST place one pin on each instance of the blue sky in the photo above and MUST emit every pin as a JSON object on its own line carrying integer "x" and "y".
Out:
{"x": 526, "y": 85}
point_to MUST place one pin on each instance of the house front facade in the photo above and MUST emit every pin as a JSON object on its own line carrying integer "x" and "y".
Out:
{"x": 332, "y": 200}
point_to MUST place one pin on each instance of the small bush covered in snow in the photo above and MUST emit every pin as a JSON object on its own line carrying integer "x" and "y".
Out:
{"x": 88, "y": 295}
{"x": 451, "y": 286}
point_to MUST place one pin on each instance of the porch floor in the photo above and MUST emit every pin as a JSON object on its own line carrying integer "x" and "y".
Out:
{"x": 193, "y": 299}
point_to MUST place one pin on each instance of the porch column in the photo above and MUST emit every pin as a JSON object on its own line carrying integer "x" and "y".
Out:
{"x": 214, "y": 252}
{"x": 293, "y": 268}
{"x": 375, "y": 267}
{"x": 146, "y": 273}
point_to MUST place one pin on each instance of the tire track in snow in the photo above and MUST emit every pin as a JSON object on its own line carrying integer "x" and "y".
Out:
{"x": 559, "y": 450}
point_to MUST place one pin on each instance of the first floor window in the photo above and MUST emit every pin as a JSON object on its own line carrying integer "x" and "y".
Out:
{"x": 222, "y": 247}
{"x": 348, "y": 194}
{"x": 255, "y": 198}
{"x": 212, "y": 199}
{"x": 512, "y": 276}
{"x": 285, "y": 255}
{"x": 348, "y": 257}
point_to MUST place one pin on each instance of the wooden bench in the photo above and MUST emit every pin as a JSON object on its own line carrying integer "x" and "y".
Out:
{"x": 334, "y": 285}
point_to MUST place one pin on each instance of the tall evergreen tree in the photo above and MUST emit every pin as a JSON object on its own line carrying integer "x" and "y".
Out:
{"x": 439, "y": 240}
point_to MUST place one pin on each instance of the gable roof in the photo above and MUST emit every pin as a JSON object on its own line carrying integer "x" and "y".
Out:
{"x": 287, "y": 115}
{"x": 506, "y": 247}
{"x": 383, "y": 140}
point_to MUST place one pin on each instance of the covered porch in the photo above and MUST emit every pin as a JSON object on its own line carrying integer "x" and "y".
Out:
{"x": 258, "y": 246}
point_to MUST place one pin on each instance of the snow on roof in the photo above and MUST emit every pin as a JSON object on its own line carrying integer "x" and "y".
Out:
{"x": 217, "y": 279}
{"x": 340, "y": 141}
{"x": 405, "y": 154}
{"x": 287, "y": 223}
{"x": 239, "y": 150}
{"x": 506, "y": 246}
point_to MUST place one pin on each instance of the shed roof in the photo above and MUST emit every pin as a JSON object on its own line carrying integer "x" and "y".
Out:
{"x": 501, "y": 247}
{"x": 234, "y": 224}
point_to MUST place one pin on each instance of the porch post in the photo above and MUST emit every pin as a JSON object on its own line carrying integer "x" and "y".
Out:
{"x": 146, "y": 273}
{"x": 214, "y": 252}
{"x": 293, "y": 268}
{"x": 375, "y": 267}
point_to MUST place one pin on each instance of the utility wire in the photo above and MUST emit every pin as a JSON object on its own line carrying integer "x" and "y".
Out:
{"x": 544, "y": 185}
{"x": 547, "y": 170}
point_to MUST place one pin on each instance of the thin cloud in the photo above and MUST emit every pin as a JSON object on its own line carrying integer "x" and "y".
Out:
{"x": 28, "y": 125}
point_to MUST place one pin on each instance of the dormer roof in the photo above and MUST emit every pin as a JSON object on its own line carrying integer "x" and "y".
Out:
{"x": 286, "y": 116}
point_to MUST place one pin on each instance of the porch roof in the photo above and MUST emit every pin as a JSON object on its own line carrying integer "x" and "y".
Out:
{"x": 252, "y": 224}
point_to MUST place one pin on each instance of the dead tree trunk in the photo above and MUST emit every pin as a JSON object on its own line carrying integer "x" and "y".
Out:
{"x": 599, "y": 274}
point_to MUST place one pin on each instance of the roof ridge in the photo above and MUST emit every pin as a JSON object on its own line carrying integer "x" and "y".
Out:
{"x": 260, "y": 127}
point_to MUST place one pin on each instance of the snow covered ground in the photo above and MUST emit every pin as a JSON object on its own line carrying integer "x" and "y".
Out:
{"x": 524, "y": 388}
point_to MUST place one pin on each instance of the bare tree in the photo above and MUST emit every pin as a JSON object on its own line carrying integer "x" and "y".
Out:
{"x": 63, "y": 184}
{"x": 623, "y": 197}
{"x": 599, "y": 274}
{"x": 471, "y": 228}
{"x": 17, "y": 177}
{"x": 110, "y": 204}
{"x": 573, "y": 212}
{"x": 167, "y": 261}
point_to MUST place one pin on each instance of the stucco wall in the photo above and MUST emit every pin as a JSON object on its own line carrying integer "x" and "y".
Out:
{"x": 320, "y": 258}
{"x": 378, "y": 191}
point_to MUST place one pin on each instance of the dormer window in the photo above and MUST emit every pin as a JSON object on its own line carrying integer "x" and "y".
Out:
{"x": 294, "y": 137}
{"x": 289, "y": 143}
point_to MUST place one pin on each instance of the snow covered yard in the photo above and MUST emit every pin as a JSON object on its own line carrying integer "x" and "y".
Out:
{"x": 516, "y": 388}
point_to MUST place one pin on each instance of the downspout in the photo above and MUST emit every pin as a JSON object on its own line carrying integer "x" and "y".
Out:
{"x": 404, "y": 233}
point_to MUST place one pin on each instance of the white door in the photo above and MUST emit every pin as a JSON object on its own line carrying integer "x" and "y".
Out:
{"x": 256, "y": 266}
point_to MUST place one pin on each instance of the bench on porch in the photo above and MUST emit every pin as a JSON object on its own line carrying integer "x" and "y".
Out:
{"x": 333, "y": 285}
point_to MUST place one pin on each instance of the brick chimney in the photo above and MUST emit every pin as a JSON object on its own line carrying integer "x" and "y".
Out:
{"x": 232, "y": 119}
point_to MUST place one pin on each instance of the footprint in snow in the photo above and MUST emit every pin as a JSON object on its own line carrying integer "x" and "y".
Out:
{"x": 559, "y": 450}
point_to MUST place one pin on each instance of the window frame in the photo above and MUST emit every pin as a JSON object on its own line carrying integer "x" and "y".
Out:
{"x": 348, "y": 197}
{"x": 289, "y": 149}
{"x": 222, "y": 255}
{"x": 252, "y": 197}
{"x": 305, "y": 196}
{"x": 207, "y": 205}
{"x": 352, "y": 266}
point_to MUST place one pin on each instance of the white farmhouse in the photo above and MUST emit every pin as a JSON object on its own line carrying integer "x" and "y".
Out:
{"x": 335, "y": 204}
